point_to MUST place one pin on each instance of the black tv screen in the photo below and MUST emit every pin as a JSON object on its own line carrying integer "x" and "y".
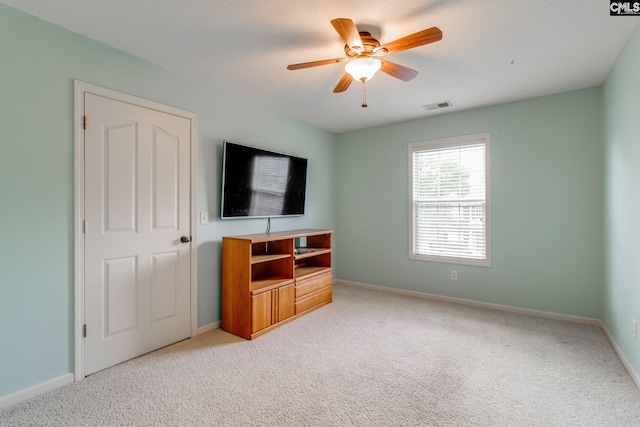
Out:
{"x": 258, "y": 183}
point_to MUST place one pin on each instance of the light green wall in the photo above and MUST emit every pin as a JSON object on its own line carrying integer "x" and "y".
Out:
{"x": 546, "y": 201}
{"x": 621, "y": 96}
{"x": 38, "y": 63}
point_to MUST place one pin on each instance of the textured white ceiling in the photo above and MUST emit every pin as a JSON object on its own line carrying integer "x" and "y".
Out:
{"x": 492, "y": 51}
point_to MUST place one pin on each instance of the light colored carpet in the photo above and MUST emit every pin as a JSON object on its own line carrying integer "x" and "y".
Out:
{"x": 369, "y": 359}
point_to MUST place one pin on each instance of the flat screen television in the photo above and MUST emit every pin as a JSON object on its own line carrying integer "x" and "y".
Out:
{"x": 257, "y": 183}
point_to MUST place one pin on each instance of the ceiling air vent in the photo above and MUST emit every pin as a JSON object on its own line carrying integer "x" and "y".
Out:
{"x": 438, "y": 105}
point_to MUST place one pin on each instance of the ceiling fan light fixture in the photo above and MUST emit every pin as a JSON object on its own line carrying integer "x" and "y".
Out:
{"x": 363, "y": 68}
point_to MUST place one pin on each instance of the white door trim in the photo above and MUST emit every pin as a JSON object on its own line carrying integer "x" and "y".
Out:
{"x": 80, "y": 88}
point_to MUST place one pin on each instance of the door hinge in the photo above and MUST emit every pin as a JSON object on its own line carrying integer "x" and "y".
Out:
{"x": 84, "y": 122}
{"x": 84, "y": 330}
{"x": 84, "y": 226}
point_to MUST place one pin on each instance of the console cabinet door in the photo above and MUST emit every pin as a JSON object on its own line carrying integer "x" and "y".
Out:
{"x": 271, "y": 307}
{"x": 261, "y": 311}
{"x": 286, "y": 302}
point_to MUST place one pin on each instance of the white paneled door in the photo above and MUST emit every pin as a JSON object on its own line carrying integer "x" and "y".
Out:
{"x": 137, "y": 231}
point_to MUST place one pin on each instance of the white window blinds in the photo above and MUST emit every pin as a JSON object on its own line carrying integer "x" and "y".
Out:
{"x": 449, "y": 197}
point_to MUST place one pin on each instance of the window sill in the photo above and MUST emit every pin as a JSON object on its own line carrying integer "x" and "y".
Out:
{"x": 451, "y": 260}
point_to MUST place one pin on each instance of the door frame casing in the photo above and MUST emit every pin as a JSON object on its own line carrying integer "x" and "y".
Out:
{"x": 80, "y": 88}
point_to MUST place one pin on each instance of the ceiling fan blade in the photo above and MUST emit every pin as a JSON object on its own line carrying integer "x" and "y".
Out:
{"x": 315, "y": 63}
{"x": 399, "y": 71}
{"x": 343, "y": 84}
{"x": 420, "y": 38}
{"x": 348, "y": 31}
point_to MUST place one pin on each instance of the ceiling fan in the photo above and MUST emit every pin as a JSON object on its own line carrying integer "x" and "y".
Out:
{"x": 363, "y": 53}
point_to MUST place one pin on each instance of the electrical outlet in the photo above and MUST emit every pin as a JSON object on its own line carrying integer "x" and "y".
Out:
{"x": 204, "y": 217}
{"x": 634, "y": 328}
{"x": 454, "y": 275}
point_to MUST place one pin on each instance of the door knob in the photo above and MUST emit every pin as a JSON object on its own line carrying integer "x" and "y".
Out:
{"x": 185, "y": 239}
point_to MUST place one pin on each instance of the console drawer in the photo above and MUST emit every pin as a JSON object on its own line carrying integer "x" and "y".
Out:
{"x": 314, "y": 298}
{"x": 312, "y": 284}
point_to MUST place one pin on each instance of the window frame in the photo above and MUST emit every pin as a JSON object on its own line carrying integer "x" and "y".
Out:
{"x": 459, "y": 141}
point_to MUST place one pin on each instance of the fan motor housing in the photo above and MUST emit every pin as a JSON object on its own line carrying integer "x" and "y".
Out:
{"x": 369, "y": 44}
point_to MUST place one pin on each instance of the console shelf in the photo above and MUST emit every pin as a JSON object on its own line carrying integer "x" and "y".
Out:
{"x": 271, "y": 278}
{"x": 302, "y": 253}
{"x": 262, "y": 285}
{"x": 256, "y": 259}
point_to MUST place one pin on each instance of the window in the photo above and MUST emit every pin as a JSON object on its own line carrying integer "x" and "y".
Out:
{"x": 449, "y": 191}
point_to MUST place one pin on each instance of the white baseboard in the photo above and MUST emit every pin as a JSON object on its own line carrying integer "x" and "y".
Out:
{"x": 518, "y": 310}
{"x": 623, "y": 357}
{"x": 35, "y": 390}
{"x": 209, "y": 327}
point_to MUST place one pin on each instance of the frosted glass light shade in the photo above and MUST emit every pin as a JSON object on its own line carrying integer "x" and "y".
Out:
{"x": 363, "y": 68}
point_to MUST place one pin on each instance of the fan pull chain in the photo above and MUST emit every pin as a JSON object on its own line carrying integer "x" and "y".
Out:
{"x": 364, "y": 95}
